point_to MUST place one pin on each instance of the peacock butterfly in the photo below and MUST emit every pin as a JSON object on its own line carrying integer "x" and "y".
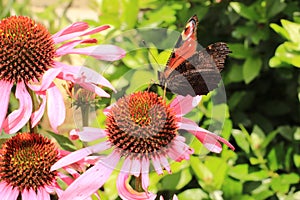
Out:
{"x": 190, "y": 70}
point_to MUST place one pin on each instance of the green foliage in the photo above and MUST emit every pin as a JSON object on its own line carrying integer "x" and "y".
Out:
{"x": 261, "y": 77}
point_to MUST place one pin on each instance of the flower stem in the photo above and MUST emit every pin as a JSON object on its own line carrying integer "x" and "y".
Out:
{"x": 34, "y": 107}
{"x": 138, "y": 183}
{"x": 85, "y": 110}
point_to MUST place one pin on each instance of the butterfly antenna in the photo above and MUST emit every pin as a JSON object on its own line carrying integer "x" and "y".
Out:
{"x": 143, "y": 41}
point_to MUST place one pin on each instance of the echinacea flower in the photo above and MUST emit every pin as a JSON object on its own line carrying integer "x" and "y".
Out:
{"x": 27, "y": 61}
{"x": 140, "y": 128}
{"x": 25, "y": 162}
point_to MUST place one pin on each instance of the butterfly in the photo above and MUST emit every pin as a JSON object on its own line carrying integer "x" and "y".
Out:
{"x": 190, "y": 71}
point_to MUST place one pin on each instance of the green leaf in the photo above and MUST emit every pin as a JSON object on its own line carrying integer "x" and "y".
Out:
{"x": 63, "y": 141}
{"x": 200, "y": 170}
{"x": 218, "y": 167}
{"x": 234, "y": 74}
{"x": 274, "y": 7}
{"x": 281, "y": 31}
{"x": 251, "y": 68}
{"x": 257, "y": 137}
{"x": 185, "y": 178}
{"x": 140, "y": 79}
{"x": 296, "y": 159}
{"x": 293, "y": 30}
{"x": 241, "y": 140}
{"x": 247, "y": 12}
{"x": 239, "y": 171}
{"x": 218, "y": 112}
{"x": 231, "y": 188}
{"x": 282, "y": 183}
{"x": 239, "y": 51}
{"x": 192, "y": 194}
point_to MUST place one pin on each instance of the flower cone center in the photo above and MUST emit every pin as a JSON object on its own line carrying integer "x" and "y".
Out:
{"x": 26, "y": 160}
{"x": 141, "y": 123}
{"x": 26, "y": 49}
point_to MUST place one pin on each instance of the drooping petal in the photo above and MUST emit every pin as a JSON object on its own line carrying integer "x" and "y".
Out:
{"x": 179, "y": 150}
{"x": 55, "y": 108}
{"x": 211, "y": 141}
{"x": 82, "y": 188}
{"x": 42, "y": 194}
{"x": 75, "y": 27}
{"x": 145, "y": 173}
{"x": 18, "y": 118}
{"x": 47, "y": 80}
{"x": 75, "y": 30}
{"x": 207, "y": 138}
{"x": 38, "y": 114}
{"x": 184, "y": 104}
{"x": 105, "y": 52}
{"x": 126, "y": 165}
{"x": 156, "y": 165}
{"x": 127, "y": 192}
{"x": 88, "y": 134}
{"x": 165, "y": 163}
{"x": 80, "y": 154}
{"x": 7, "y": 192}
{"x": 82, "y": 75}
{"x": 29, "y": 195}
{"x": 5, "y": 88}
{"x": 63, "y": 49}
{"x": 136, "y": 167}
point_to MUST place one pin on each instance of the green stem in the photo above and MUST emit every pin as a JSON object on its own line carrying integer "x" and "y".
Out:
{"x": 85, "y": 110}
{"x": 34, "y": 107}
{"x": 138, "y": 184}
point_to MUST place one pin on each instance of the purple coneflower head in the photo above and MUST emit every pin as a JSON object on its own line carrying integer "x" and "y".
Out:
{"x": 140, "y": 129}
{"x": 25, "y": 162}
{"x": 28, "y": 53}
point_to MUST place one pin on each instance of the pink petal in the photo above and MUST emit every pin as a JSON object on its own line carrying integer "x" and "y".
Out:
{"x": 89, "y": 134}
{"x": 76, "y": 30}
{"x": 189, "y": 125}
{"x": 165, "y": 163}
{"x": 105, "y": 52}
{"x": 209, "y": 139}
{"x": 7, "y": 192}
{"x": 83, "y": 76}
{"x": 156, "y": 165}
{"x": 67, "y": 179}
{"x": 63, "y": 49}
{"x": 91, "y": 87}
{"x": 182, "y": 105}
{"x": 75, "y": 27}
{"x": 179, "y": 150}
{"x": 29, "y": 195}
{"x": 145, "y": 173}
{"x": 42, "y": 194}
{"x": 136, "y": 167}
{"x": 18, "y": 118}
{"x": 55, "y": 108}
{"x": 47, "y": 80}
{"x": 5, "y": 89}
{"x": 126, "y": 165}
{"x": 91, "y": 180}
{"x": 126, "y": 192}
{"x": 38, "y": 114}
{"x": 80, "y": 154}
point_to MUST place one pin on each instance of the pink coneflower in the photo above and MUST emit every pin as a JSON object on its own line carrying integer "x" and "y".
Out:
{"x": 27, "y": 53}
{"x": 25, "y": 162}
{"x": 140, "y": 128}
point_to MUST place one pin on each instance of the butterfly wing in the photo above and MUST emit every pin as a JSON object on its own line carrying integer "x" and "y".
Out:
{"x": 200, "y": 73}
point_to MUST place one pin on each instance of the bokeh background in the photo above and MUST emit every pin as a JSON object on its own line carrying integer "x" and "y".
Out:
{"x": 261, "y": 115}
